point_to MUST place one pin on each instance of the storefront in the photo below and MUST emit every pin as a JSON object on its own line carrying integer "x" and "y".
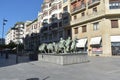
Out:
{"x": 82, "y": 45}
{"x": 115, "y": 45}
{"x": 96, "y": 45}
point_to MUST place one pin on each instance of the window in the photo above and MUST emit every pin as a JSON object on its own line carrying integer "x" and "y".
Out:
{"x": 82, "y": 14}
{"x": 65, "y": 9}
{"x": 60, "y": 34}
{"x": 95, "y": 10}
{"x": 35, "y": 26}
{"x": 69, "y": 32}
{"x": 84, "y": 28}
{"x": 74, "y": 7}
{"x": 60, "y": 24}
{"x": 60, "y": 6}
{"x": 60, "y": 15}
{"x": 114, "y": 23}
{"x": 45, "y": 21}
{"x": 54, "y": 15}
{"x": 66, "y": 20}
{"x": 96, "y": 26}
{"x": 76, "y": 30}
{"x": 50, "y": 36}
{"x": 49, "y": 4}
{"x": 75, "y": 17}
{"x": 114, "y": 4}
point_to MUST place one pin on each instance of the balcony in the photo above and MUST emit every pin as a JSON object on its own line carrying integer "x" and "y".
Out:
{"x": 93, "y": 3}
{"x": 72, "y": 1}
{"x": 78, "y": 9}
{"x": 53, "y": 19}
{"x": 55, "y": 2}
{"x": 54, "y": 26}
{"x": 45, "y": 6}
{"x": 44, "y": 29}
{"x": 89, "y": 17}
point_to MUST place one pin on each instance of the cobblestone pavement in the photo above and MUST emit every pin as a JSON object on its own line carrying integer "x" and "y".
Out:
{"x": 99, "y": 68}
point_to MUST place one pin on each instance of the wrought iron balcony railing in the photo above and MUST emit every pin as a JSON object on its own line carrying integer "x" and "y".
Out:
{"x": 73, "y": 1}
{"x": 78, "y": 8}
{"x": 93, "y": 1}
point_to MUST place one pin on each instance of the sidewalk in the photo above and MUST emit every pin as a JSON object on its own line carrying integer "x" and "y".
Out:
{"x": 12, "y": 60}
{"x": 99, "y": 68}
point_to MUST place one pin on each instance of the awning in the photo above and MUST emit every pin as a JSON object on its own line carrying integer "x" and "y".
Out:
{"x": 115, "y": 38}
{"x": 81, "y": 42}
{"x": 95, "y": 41}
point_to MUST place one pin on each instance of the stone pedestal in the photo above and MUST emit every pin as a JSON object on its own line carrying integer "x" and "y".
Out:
{"x": 64, "y": 59}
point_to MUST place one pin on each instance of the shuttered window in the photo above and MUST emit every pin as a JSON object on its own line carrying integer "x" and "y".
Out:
{"x": 76, "y": 30}
{"x": 114, "y": 23}
{"x": 84, "y": 28}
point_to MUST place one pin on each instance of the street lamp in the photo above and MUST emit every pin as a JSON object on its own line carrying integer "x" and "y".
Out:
{"x": 17, "y": 29}
{"x": 4, "y": 23}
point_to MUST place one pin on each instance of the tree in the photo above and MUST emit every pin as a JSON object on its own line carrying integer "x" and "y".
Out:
{"x": 11, "y": 45}
{"x": 2, "y": 46}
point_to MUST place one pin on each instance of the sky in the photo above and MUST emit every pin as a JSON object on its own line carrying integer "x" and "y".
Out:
{"x": 17, "y": 11}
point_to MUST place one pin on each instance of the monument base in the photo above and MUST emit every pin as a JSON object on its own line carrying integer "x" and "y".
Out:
{"x": 64, "y": 59}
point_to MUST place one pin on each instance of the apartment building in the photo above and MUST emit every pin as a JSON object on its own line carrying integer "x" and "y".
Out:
{"x": 50, "y": 20}
{"x": 31, "y": 40}
{"x": 96, "y": 25}
{"x": 66, "y": 18}
{"x": 9, "y": 36}
{"x": 16, "y": 33}
{"x": 19, "y": 32}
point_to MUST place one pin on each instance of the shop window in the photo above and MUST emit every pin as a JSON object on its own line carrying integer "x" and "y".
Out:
{"x": 96, "y": 26}
{"x": 60, "y": 6}
{"x": 76, "y": 30}
{"x": 114, "y": 23}
{"x": 84, "y": 28}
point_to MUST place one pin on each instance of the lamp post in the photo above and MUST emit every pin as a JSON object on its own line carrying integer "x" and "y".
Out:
{"x": 4, "y": 23}
{"x": 17, "y": 29}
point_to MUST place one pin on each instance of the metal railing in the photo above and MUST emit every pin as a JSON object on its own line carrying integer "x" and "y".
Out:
{"x": 88, "y": 17}
{"x": 78, "y": 8}
{"x": 93, "y": 1}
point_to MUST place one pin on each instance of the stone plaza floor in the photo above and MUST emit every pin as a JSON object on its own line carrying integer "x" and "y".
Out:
{"x": 99, "y": 68}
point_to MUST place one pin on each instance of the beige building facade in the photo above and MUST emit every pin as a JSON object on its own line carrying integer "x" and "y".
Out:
{"x": 96, "y": 25}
